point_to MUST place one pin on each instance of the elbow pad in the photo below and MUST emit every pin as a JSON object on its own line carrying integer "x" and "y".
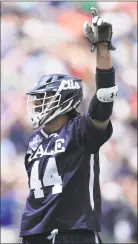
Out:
{"x": 101, "y": 105}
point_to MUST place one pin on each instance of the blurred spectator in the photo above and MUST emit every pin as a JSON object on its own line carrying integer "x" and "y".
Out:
{"x": 47, "y": 37}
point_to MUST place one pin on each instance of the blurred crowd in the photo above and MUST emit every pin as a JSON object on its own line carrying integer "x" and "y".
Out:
{"x": 47, "y": 37}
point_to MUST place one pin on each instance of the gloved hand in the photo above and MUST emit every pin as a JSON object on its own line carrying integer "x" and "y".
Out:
{"x": 99, "y": 31}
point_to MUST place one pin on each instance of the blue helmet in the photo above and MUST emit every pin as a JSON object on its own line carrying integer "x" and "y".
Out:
{"x": 52, "y": 96}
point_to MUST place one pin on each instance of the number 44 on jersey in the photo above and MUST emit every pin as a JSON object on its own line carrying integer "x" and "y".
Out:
{"x": 50, "y": 178}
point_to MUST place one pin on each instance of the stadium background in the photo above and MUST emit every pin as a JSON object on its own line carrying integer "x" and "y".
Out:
{"x": 47, "y": 37}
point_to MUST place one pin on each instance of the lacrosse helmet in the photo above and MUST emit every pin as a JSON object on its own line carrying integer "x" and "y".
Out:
{"x": 52, "y": 96}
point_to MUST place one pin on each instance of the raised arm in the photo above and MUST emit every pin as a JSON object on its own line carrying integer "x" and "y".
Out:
{"x": 103, "y": 56}
{"x": 99, "y": 33}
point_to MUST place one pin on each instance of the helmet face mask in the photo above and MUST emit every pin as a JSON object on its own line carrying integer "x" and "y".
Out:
{"x": 47, "y": 100}
{"x": 41, "y": 106}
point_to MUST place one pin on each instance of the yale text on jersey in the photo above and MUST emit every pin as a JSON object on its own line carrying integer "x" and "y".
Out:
{"x": 41, "y": 151}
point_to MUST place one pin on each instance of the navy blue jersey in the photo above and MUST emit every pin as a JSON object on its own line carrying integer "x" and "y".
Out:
{"x": 63, "y": 173}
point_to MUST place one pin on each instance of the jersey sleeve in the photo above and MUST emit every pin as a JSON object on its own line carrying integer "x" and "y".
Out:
{"x": 88, "y": 136}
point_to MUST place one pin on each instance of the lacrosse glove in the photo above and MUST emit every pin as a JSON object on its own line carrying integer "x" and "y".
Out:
{"x": 99, "y": 31}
